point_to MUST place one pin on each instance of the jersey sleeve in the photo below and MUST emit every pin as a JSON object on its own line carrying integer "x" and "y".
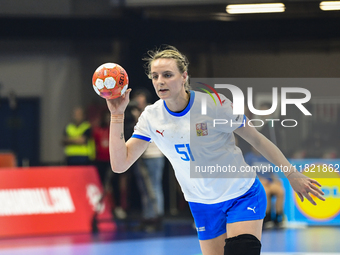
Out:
{"x": 141, "y": 129}
{"x": 225, "y": 120}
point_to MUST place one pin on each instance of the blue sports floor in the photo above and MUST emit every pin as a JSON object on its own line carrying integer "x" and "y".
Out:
{"x": 175, "y": 239}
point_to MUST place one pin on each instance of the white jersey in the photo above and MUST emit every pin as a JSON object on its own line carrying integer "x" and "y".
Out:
{"x": 190, "y": 141}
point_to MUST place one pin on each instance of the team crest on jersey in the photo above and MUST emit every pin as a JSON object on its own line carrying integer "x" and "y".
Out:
{"x": 201, "y": 129}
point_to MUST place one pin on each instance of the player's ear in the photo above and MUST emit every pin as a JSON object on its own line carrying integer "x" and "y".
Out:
{"x": 185, "y": 76}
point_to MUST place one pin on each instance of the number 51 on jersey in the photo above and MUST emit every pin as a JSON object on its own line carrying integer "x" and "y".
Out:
{"x": 184, "y": 151}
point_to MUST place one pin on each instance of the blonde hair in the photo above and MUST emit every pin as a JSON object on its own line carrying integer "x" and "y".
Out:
{"x": 168, "y": 52}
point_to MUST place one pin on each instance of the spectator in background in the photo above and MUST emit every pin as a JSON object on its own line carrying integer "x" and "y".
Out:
{"x": 149, "y": 177}
{"x": 330, "y": 153}
{"x": 77, "y": 140}
{"x": 113, "y": 183}
{"x": 101, "y": 139}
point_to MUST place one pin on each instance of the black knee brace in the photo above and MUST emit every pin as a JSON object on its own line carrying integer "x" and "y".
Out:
{"x": 245, "y": 244}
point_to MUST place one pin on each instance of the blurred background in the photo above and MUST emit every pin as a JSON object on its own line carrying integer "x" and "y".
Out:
{"x": 50, "y": 49}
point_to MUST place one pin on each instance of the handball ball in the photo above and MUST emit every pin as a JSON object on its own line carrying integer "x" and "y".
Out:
{"x": 110, "y": 80}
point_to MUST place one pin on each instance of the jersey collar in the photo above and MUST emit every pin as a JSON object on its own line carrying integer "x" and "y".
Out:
{"x": 186, "y": 109}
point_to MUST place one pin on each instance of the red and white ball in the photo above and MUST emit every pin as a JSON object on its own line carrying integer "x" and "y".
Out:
{"x": 110, "y": 80}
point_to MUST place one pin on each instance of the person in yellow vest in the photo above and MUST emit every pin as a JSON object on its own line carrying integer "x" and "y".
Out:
{"x": 79, "y": 146}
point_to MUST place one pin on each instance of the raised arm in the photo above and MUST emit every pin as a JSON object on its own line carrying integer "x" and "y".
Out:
{"x": 122, "y": 154}
{"x": 301, "y": 184}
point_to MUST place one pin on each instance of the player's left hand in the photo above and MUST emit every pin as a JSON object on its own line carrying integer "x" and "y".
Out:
{"x": 305, "y": 186}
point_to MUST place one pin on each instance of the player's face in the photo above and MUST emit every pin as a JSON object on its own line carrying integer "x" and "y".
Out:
{"x": 167, "y": 79}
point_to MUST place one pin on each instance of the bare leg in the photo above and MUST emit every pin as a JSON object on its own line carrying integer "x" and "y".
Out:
{"x": 253, "y": 227}
{"x": 213, "y": 246}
